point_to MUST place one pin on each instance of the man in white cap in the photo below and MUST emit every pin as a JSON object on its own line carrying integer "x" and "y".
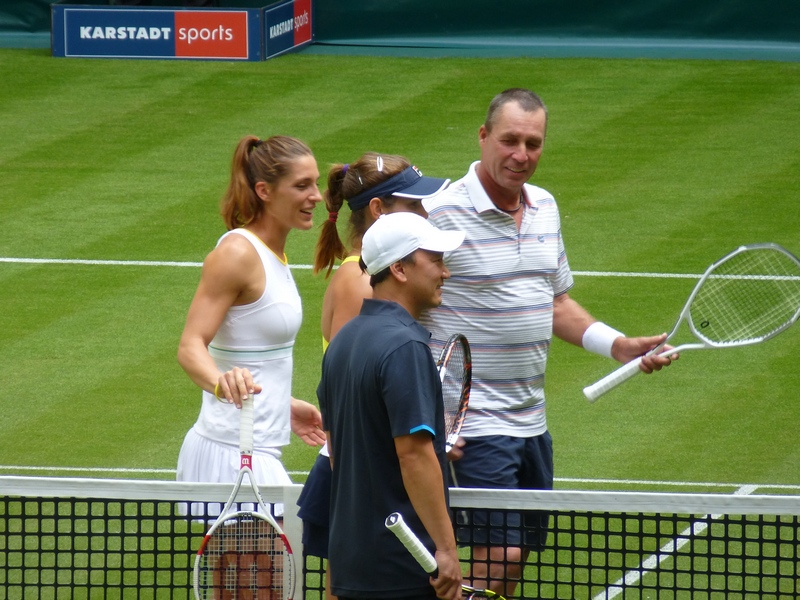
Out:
{"x": 381, "y": 402}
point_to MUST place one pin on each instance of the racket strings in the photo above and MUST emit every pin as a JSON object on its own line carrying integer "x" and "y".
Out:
{"x": 748, "y": 298}
{"x": 455, "y": 376}
{"x": 244, "y": 559}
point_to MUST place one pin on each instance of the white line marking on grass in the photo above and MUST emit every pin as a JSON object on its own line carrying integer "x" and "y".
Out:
{"x": 765, "y": 486}
{"x": 159, "y": 263}
{"x": 102, "y": 470}
{"x": 673, "y": 483}
{"x": 667, "y": 551}
{"x": 84, "y": 469}
{"x": 119, "y": 263}
{"x": 627, "y": 274}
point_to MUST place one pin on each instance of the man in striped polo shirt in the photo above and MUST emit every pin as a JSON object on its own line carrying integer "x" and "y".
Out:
{"x": 508, "y": 293}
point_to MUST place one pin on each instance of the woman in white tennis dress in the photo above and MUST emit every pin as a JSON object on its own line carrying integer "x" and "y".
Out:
{"x": 245, "y": 315}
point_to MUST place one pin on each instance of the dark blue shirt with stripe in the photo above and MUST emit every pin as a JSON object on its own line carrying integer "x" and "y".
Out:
{"x": 379, "y": 381}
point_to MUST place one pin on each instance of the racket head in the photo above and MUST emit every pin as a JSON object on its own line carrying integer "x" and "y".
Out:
{"x": 244, "y": 556}
{"x": 455, "y": 372}
{"x": 749, "y": 296}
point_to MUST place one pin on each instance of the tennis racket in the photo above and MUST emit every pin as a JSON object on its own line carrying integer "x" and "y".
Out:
{"x": 397, "y": 525}
{"x": 245, "y": 555}
{"x": 455, "y": 371}
{"x": 748, "y": 296}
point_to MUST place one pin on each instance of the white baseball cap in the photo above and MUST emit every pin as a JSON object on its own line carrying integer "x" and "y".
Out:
{"x": 396, "y": 235}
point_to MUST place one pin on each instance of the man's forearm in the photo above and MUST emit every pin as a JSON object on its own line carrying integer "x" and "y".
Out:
{"x": 422, "y": 477}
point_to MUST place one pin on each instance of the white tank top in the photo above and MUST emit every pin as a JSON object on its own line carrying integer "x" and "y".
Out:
{"x": 260, "y": 337}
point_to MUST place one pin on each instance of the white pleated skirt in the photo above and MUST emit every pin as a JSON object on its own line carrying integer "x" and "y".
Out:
{"x": 204, "y": 460}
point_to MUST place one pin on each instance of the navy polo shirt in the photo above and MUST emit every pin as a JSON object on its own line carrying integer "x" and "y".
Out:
{"x": 379, "y": 381}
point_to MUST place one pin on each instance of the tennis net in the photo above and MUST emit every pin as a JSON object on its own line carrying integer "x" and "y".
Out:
{"x": 75, "y": 539}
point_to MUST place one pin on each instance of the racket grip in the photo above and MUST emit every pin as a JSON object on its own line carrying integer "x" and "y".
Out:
{"x": 246, "y": 426}
{"x": 397, "y": 525}
{"x": 612, "y": 380}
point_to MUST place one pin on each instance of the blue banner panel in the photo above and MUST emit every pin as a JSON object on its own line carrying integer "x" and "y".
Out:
{"x": 119, "y": 33}
{"x": 114, "y": 32}
{"x": 287, "y": 26}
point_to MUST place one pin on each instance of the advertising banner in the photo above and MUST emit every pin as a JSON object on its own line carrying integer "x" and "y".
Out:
{"x": 114, "y": 32}
{"x": 103, "y": 31}
{"x": 287, "y": 26}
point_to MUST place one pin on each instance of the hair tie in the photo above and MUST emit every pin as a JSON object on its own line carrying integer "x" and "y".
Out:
{"x": 332, "y": 216}
{"x": 344, "y": 169}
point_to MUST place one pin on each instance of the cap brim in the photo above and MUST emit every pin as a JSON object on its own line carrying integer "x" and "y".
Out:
{"x": 422, "y": 188}
{"x": 443, "y": 241}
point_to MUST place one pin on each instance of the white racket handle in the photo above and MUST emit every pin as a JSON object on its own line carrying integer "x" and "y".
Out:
{"x": 246, "y": 426}
{"x": 396, "y": 524}
{"x": 612, "y": 380}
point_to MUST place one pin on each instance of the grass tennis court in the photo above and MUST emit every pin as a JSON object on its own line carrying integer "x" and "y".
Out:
{"x": 659, "y": 167}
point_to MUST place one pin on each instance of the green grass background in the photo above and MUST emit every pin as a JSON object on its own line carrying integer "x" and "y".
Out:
{"x": 659, "y": 166}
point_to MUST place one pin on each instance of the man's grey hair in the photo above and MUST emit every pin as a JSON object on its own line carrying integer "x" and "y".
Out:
{"x": 529, "y": 102}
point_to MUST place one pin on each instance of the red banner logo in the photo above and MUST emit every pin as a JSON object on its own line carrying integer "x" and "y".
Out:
{"x": 211, "y": 34}
{"x": 302, "y": 21}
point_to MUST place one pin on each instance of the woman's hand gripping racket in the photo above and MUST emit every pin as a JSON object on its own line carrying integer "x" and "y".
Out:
{"x": 455, "y": 371}
{"x": 748, "y": 296}
{"x": 397, "y": 525}
{"x": 245, "y": 555}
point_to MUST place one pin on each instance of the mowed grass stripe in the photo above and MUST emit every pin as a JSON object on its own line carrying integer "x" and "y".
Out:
{"x": 157, "y": 154}
{"x": 97, "y": 377}
{"x": 676, "y": 167}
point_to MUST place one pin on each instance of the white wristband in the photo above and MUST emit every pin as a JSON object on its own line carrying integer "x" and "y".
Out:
{"x": 599, "y": 338}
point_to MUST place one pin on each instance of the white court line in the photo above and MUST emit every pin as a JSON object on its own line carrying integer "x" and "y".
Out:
{"x": 80, "y": 261}
{"x": 667, "y": 551}
{"x": 677, "y": 483}
{"x": 84, "y": 469}
{"x": 640, "y": 482}
{"x": 629, "y": 274}
{"x": 103, "y": 470}
{"x": 119, "y": 263}
{"x": 158, "y": 263}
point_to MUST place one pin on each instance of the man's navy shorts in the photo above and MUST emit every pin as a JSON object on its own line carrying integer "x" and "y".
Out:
{"x": 505, "y": 462}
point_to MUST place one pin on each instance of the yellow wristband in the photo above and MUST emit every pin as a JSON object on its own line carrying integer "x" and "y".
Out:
{"x": 217, "y": 393}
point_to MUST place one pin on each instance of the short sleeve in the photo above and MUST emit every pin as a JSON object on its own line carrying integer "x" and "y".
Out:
{"x": 411, "y": 389}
